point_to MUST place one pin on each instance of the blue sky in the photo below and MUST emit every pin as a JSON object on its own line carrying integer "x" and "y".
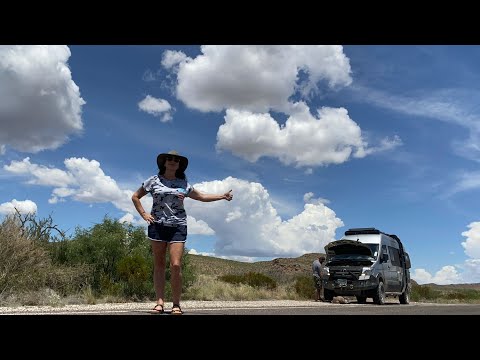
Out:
{"x": 312, "y": 140}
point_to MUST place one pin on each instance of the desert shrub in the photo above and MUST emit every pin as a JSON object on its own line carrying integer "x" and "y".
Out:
{"x": 68, "y": 280}
{"x": 253, "y": 279}
{"x": 134, "y": 272}
{"x": 304, "y": 287}
{"x": 25, "y": 259}
{"x": 424, "y": 292}
{"x": 462, "y": 295}
{"x": 119, "y": 259}
{"x": 101, "y": 249}
{"x": 259, "y": 280}
{"x": 455, "y": 295}
{"x": 24, "y": 264}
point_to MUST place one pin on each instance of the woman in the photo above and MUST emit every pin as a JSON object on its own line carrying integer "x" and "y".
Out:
{"x": 168, "y": 221}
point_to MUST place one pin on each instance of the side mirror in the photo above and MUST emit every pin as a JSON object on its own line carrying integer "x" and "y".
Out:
{"x": 384, "y": 258}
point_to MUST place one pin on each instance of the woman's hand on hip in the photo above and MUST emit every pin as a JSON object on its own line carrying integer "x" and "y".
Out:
{"x": 148, "y": 218}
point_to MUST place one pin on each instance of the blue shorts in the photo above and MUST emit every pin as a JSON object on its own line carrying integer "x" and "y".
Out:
{"x": 161, "y": 232}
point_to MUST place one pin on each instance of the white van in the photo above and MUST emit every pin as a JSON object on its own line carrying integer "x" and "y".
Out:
{"x": 367, "y": 263}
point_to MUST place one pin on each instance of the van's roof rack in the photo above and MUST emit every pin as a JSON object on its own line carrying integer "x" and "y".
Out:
{"x": 357, "y": 231}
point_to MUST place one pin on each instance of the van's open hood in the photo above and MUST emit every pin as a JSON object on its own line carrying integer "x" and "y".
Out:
{"x": 347, "y": 247}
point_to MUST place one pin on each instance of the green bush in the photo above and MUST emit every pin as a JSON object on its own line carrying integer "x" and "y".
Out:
{"x": 424, "y": 292}
{"x": 304, "y": 287}
{"x": 462, "y": 295}
{"x": 102, "y": 248}
{"x": 134, "y": 272}
{"x": 119, "y": 260}
{"x": 253, "y": 279}
{"x": 455, "y": 295}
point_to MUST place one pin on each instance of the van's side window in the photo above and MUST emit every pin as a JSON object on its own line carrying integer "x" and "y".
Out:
{"x": 394, "y": 256}
{"x": 384, "y": 249}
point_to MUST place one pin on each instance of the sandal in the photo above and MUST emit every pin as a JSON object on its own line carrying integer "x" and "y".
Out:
{"x": 158, "y": 309}
{"x": 176, "y": 310}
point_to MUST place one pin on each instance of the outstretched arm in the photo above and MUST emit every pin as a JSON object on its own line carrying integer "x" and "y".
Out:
{"x": 197, "y": 195}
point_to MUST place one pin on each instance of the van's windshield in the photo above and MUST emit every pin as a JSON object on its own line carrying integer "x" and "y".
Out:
{"x": 353, "y": 258}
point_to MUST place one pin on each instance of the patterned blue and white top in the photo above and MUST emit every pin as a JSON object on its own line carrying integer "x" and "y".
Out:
{"x": 167, "y": 208}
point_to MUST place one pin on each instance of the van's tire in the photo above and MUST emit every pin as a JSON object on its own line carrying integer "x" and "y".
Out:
{"x": 379, "y": 296}
{"x": 361, "y": 299}
{"x": 405, "y": 297}
{"x": 328, "y": 294}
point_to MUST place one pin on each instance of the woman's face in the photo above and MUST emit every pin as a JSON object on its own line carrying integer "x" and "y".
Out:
{"x": 172, "y": 162}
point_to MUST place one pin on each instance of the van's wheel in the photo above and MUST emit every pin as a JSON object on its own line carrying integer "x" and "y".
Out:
{"x": 405, "y": 297}
{"x": 361, "y": 299}
{"x": 328, "y": 294}
{"x": 379, "y": 296}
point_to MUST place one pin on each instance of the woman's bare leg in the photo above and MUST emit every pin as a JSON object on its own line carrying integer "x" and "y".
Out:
{"x": 159, "y": 249}
{"x": 176, "y": 252}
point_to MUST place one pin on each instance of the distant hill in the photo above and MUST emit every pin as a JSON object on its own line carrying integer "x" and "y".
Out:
{"x": 281, "y": 269}
{"x": 475, "y": 286}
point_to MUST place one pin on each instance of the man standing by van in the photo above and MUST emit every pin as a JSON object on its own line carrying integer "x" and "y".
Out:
{"x": 318, "y": 272}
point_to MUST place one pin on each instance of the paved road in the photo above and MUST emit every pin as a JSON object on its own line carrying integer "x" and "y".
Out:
{"x": 288, "y": 307}
{"x": 350, "y": 309}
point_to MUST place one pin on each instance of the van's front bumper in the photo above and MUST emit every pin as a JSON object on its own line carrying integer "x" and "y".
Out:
{"x": 351, "y": 287}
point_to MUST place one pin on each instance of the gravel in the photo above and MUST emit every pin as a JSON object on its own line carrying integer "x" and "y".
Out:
{"x": 128, "y": 307}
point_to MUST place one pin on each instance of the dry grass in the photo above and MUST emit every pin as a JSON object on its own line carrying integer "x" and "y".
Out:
{"x": 24, "y": 265}
{"x": 27, "y": 275}
{"x": 209, "y": 288}
{"x": 283, "y": 270}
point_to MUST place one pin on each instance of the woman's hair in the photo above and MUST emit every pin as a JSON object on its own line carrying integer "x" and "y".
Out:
{"x": 179, "y": 173}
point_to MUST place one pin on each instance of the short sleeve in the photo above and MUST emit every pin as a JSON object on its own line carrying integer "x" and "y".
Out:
{"x": 147, "y": 184}
{"x": 188, "y": 188}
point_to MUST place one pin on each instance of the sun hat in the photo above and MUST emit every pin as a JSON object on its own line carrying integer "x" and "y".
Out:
{"x": 162, "y": 157}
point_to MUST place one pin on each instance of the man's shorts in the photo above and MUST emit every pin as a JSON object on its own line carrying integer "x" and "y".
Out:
{"x": 170, "y": 234}
{"x": 318, "y": 282}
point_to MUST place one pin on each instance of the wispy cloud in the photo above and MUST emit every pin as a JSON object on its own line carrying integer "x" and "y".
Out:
{"x": 454, "y": 106}
{"x": 464, "y": 181}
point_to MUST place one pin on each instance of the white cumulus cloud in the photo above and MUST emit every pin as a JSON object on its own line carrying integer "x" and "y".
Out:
{"x": 446, "y": 275}
{"x": 255, "y": 78}
{"x": 305, "y": 140}
{"x": 23, "y": 207}
{"x": 472, "y": 244}
{"x": 249, "y": 225}
{"x": 82, "y": 180}
{"x": 40, "y": 104}
{"x": 156, "y": 107}
{"x": 468, "y": 272}
{"x": 198, "y": 227}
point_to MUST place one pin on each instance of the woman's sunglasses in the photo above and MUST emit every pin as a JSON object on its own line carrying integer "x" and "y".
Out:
{"x": 173, "y": 158}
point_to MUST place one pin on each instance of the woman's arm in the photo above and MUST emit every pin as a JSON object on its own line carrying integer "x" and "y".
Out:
{"x": 137, "y": 195}
{"x": 197, "y": 195}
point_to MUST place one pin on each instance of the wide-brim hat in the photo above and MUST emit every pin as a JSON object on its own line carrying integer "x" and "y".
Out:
{"x": 183, "y": 160}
